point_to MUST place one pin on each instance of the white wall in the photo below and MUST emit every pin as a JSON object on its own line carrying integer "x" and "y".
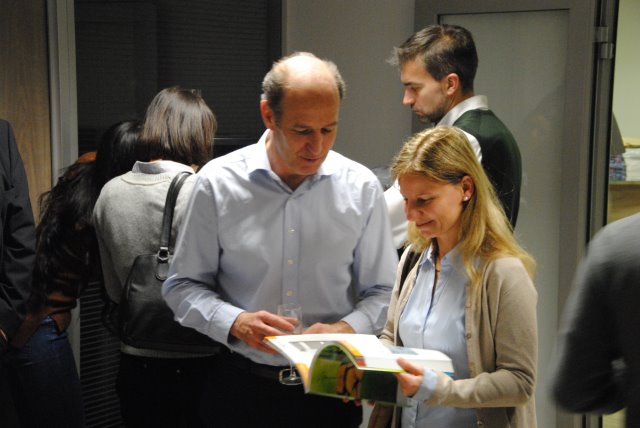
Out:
{"x": 626, "y": 88}
{"x": 358, "y": 35}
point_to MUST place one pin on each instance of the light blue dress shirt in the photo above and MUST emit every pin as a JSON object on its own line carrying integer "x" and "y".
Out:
{"x": 436, "y": 321}
{"x": 249, "y": 242}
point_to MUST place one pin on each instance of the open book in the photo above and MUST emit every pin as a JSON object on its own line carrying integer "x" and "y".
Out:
{"x": 353, "y": 366}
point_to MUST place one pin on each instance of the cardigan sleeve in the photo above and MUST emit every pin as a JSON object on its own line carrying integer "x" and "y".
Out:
{"x": 502, "y": 342}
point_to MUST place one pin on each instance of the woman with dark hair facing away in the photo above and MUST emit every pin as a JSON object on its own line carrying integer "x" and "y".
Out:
{"x": 117, "y": 151}
{"x": 43, "y": 377}
{"x": 155, "y": 387}
{"x": 470, "y": 294}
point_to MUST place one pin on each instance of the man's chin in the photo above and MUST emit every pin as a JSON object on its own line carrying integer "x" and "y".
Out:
{"x": 426, "y": 121}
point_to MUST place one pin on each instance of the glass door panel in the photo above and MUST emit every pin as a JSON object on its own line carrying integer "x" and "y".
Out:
{"x": 624, "y": 160}
{"x": 623, "y": 195}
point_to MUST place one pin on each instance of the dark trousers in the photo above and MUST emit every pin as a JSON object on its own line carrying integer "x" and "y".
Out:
{"x": 44, "y": 380}
{"x": 244, "y": 395}
{"x": 161, "y": 392}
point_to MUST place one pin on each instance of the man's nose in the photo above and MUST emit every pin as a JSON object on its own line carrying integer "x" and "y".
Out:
{"x": 315, "y": 143}
{"x": 407, "y": 98}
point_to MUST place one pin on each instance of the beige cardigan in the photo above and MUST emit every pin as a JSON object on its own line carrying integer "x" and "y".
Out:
{"x": 502, "y": 346}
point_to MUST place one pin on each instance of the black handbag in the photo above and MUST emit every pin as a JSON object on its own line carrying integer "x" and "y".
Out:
{"x": 145, "y": 319}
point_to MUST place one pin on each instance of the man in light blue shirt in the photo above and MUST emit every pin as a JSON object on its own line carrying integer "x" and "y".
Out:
{"x": 286, "y": 220}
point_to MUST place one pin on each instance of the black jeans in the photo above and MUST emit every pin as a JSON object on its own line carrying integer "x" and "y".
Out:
{"x": 161, "y": 392}
{"x": 241, "y": 398}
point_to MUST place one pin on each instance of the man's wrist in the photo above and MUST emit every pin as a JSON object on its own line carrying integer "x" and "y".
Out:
{"x": 343, "y": 327}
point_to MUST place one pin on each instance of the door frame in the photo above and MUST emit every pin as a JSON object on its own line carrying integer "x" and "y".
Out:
{"x": 581, "y": 172}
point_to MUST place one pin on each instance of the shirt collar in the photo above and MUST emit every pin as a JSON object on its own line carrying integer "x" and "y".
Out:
{"x": 159, "y": 167}
{"x": 477, "y": 102}
{"x": 452, "y": 257}
{"x": 261, "y": 161}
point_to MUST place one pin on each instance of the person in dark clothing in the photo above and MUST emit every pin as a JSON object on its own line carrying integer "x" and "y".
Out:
{"x": 18, "y": 241}
{"x": 598, "y": 365}
{"x": 17, "y": 251}
{"x": 437, "y": 67}
{"x": 42, "y": 372}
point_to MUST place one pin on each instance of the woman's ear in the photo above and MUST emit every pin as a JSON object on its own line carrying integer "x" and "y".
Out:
{"x": 468, "y": 187}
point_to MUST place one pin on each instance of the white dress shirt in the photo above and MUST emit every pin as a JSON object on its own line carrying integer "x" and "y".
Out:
{"x": 249, "y": 243}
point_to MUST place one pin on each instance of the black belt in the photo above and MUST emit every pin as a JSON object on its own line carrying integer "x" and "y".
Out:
{"x": 262, "y": 370}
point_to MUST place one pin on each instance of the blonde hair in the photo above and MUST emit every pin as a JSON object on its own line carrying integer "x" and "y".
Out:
{"x": 443, "y": 154}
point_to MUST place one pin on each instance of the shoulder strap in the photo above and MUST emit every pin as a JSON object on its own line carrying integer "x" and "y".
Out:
{"x": 409, "y": 262}
{"x": 167, "y": 218}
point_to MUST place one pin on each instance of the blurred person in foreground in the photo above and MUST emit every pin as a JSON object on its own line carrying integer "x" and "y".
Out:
{"x": 17, "y": 237}
{"x": 470, "y": 295}
{"x": 17, "y": 247}
{"x": 598, "y": 367}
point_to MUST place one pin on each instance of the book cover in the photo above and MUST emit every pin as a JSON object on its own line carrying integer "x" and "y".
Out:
{"x": 353, "y": 366}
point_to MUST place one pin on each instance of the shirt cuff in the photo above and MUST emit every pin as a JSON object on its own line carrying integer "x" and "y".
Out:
{"x": 220, "y": 327}
{"x": 427, "y": 387}
{"x": 359, "y": 322}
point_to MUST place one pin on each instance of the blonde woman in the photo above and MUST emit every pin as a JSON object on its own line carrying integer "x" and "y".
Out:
{"x": 470, "y": 294}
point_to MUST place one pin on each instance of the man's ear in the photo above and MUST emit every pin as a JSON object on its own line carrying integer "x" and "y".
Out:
{"x": 452, "y": 82}
{"x": 268, "y": 117}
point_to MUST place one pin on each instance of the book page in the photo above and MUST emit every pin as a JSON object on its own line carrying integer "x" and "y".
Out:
{"x": 367, "y": 351}
{"x": 334, "y": 374}
{"x": 352, "y": 366}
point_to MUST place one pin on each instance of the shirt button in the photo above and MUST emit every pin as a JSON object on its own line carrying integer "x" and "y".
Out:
{"x": 292, "y": 230}
{"x": 289, "y": 262}
{"x": 468, "y": 335}
{"x": 289, "y": 293}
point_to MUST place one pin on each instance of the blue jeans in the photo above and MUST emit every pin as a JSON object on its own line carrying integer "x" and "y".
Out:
{"x": 44, "y": 380}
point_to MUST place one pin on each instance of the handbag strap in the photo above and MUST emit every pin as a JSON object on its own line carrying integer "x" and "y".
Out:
{"x": 167, "y": 218}
{"x": 409, "y": 262}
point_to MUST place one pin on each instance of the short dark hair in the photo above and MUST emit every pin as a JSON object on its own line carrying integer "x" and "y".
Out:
{"x": 444, "y": 49}
{"x": 178, "y": 126}
{"x": 275, "y": 82}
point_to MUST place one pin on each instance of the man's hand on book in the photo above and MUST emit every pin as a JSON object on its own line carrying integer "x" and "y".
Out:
{"x": 410, "y": 381}
{"x": 252, "y": 327}
{"x": 336, "y": 327}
